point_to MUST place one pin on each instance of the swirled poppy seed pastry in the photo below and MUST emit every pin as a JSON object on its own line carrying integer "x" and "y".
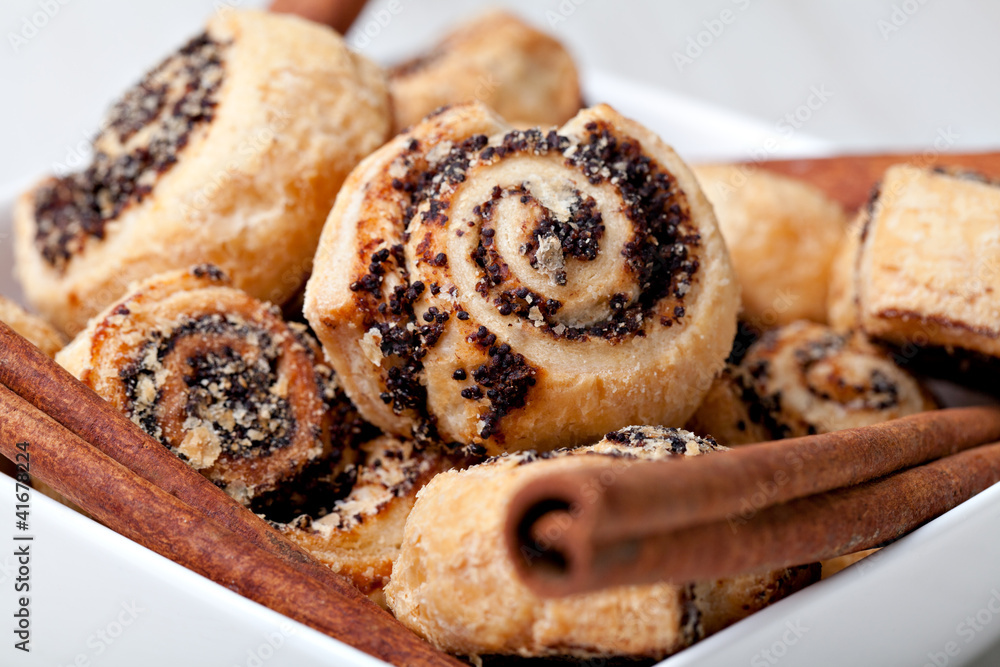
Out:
{"x": 38, "y": 332}
{"x": 352, "y": 520}
{"x": 454, "y": 584}
{"x": 479, "y": 284}
{"x": 229, "y": 152}
{"x": 805, "y": 378}
{"x": 219, "y": 378}
{"x": 521, "y": 73}
{"x": 731, "y": 414}
{"x": 782, "y": 236}
{"x": 922, "y": 269}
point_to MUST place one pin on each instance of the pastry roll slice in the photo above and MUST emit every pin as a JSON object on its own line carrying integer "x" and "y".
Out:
{"x": 782, "y": 235}
{"x": 219, "y": 378}
{"x": 39, "y": 332}
{"x": 922, "y": 270}
{"x": 842, "y": 312}
{"x": 511, "y": 289}
{"x": 351, "y": 519}
{"x": 524, "y": 75}
{"x": 805, "y": 378}
{"x": 454, "y": 584}
{"x": 230, "y": 152}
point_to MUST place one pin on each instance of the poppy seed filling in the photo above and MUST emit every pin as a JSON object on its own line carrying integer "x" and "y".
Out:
{"x": 660, "y": 254}
{"x": 231, "y": 395}
{"x": 143, "y": 136}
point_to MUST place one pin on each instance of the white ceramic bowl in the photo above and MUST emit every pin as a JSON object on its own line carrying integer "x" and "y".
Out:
{"x": 99, "y": 599}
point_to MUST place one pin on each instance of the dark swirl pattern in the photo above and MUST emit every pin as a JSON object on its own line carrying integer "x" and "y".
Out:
{"x": 503, "y": 278}
{"x": 230, "y": 152}
{"x": 142, "y": 137}
{"x": 220, "y": 379}
{"x": 803, "y": 379}
{"x": 352, "y": 518}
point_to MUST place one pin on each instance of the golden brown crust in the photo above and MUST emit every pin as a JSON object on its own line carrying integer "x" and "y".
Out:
{"x": 782, "y": 235}
{"x": 925, "y": 269}
{"x": 486, "y": 283}
{"x": 842, "y": 313}
{"x": 231, "y": 152}
{"x": 217, "y": 376}
{"x": 834, "y": 565}
{"x": 725, "y": 601}
{"x": 725, "y": 414}
{"x": 802, "y": 379}
{"x": 454, "y": 584}
{"x": 524, "y": 75}
{"x": 358, "y": 534}
{"x": 35, "y": 329}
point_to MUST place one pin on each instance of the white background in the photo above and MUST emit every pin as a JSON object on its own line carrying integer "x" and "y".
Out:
{"x": 886, "y": 87}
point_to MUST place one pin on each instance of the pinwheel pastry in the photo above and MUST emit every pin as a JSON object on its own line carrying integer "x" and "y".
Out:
{"x": 523, "y": 74}
{"x": 805, "y": 378}
{"x": 921, "y": 269}
{"x": 351, "y": 519}
{"x": 230, "y": 151}
{"x": 782, "y": 235}
{"x": 35, "y": 329}
{"x": 454, "y": 584}
{"x": 510, "y": 289}
{"x": 219, "y": 378}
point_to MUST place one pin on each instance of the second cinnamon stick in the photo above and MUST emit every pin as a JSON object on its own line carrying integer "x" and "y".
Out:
{"x": 52, "y": 390}
{"x": 799, "y": 532}
{"x": 644, "y": 499}
{"x": 338, "y": 14}
{"x": 849, "y": 179}
{"x": 152, "y": 517}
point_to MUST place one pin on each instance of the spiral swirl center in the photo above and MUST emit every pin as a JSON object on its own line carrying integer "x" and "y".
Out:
{"x": 216, "y": 380}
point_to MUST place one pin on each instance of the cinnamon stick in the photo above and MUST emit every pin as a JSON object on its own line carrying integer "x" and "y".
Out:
{"x": 51, "y": 389}
{"x": 253, "y": 559}
{"x": 646, "y": 498}
{"x": 849, "y": 179}
{"x": 150, "y": 516}
{"x": 799, "y": 532}
{"x": 338, "y": 14}
{"x": 559, "y": 521}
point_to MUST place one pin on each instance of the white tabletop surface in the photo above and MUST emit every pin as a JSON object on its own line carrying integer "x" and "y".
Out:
{"x": 880, "y": 74}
